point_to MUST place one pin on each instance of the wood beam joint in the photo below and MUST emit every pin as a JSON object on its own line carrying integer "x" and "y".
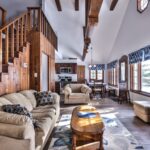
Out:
{"x": 76, "y": 5}
{"x": 58, "y": 5}
{"x": 113, "y": 4}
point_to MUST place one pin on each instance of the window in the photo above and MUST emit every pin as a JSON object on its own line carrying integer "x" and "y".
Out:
{"x": 140, "y": 76}
{"x": 145, "y": 74}
{"x": 93, "y": 74}
{"x": 96, "y": 72}
{"x": 99, "y": 74}
{"x": 112, "y": 77}
{"x": 135, "y": 76}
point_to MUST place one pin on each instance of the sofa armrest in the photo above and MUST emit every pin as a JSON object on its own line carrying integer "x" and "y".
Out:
{"x": 56, "y": 98}
{"x": 67, "y": 90}
{"x": 85, "y": 89}
{"x": 16, "y": 126}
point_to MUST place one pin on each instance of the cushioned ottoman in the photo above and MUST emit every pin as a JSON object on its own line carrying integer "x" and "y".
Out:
{"x": 142, "y": 110}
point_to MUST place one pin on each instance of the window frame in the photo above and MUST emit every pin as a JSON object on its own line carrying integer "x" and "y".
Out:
{"x": 96, "y": 76}
{"x": 111, "y": 79}
{"x": 139, "y": 91}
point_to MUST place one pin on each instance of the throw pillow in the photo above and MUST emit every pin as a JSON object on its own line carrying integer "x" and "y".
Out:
{"x": 17, "y": 109}
{"x": 43, "y": 98}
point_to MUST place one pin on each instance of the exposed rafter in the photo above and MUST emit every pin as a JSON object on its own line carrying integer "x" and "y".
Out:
{"x": 92, "y": 9}
{"x": 76, "y": 5}
{"x": 113, "y": 4}
{"x": 58, "y": 5}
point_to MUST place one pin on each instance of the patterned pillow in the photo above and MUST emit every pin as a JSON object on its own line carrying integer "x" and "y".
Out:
{"x": 43, "y": 98}
{"x": 17, "y": 109}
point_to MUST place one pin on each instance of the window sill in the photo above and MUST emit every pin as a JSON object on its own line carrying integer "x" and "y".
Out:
{"x": 141, "y": 93}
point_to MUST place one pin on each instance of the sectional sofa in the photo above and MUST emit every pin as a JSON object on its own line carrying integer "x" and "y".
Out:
{"x": 17, "y": 131}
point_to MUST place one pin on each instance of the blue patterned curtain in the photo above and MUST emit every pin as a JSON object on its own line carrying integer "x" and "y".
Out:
{"x": 97, "y": 67}
{"x": 136, "y": 56}
{"x": 100, "y": 66}
{"x": 146, "y": 53}
{"x": 112, "y": 64}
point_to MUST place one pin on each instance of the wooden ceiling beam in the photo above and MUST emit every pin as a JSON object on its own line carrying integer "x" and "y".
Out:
{"x": 113, "y": 4}
{"x": 92, "y": 9}
{"x": 58, "y": 5}
{"x": 76, "y": 5}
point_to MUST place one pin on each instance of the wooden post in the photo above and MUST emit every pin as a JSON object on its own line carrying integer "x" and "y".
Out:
{"x": 39, "y": 20}
{"x": 6, "y": 46}
{"x": 17, "y": 36}
{"x": 12, "y": 40}
{"x": 0, "y": 51}
{"x": 3, "y": 17}
{"x": 25, "y": 30}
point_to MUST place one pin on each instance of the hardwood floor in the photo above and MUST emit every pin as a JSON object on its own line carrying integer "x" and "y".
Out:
{"x": 124, "y": 112}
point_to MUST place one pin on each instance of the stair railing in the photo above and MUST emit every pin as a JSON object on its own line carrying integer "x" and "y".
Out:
{"x": 13, "y": 35}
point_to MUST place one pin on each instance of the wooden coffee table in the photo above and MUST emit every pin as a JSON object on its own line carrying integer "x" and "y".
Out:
{"x": 87, "y": 128}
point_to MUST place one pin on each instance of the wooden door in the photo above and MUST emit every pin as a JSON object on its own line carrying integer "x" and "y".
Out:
{"x": 81, "y": 74}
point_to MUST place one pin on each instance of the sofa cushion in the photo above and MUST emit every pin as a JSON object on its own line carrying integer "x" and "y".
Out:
{"x": 4, "y": 101}
{"x": 18, "y": 98}
{"x": 50, "y": 108}
{"x": 77, "y": 96}
{"x": 43, "y": 126}
{"x": 76, "y": 88}
{"x": 43, "y": 98}
{"x": 38, "y": 115}
{"x": 30, "y": 95}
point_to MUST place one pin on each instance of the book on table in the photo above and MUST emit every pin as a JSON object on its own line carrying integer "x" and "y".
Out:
{"x": 83, "y": 114}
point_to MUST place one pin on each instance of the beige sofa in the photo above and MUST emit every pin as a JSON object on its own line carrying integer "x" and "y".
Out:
{"x": 17, "y": 131}
{"x": 76, "y": 93}
{"x": 142, "y": 110}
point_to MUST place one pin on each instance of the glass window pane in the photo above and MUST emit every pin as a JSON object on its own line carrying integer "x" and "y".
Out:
{"x": 99, "y": 75}
{"x": 93, "y": 74}
{"x": 123, "y": 71}
{"x": 145, "y": 69}
{"x": 135, "y": 76}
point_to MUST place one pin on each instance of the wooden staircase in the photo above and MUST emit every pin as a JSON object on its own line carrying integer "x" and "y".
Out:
{"x": 15, "y": 48}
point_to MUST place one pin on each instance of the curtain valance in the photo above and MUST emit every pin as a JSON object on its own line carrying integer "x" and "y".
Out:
{"x": 97, "y": 67}
{"x": 141, "y": 55}
{"x": 147, "y": 53}
{"x": 112, "y": 64}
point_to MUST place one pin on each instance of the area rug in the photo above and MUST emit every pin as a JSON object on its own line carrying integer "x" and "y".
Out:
{"x": 116, "y": 136}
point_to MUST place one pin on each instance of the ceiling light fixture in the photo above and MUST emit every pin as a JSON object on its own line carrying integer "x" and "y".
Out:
{"x": 90, "y": 66}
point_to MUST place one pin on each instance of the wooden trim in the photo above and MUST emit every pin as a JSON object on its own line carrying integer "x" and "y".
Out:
{"x": 76, "y": 5}
{"x": 12, "y": 41}
{"x": 58, "y": 5}
{"x": 113, "y": 4}
{"x": 139, "y": 76}
{"x": 140, "y": 93}
{"x": 0, "y": 51}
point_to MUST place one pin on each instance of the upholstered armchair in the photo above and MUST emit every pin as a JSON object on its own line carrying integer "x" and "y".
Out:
{"x": 76, "y": 93}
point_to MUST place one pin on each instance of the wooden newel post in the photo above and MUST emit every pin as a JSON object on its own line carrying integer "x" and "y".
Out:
{"x": 3, "y": 17}
{"x": 29, "y": 20}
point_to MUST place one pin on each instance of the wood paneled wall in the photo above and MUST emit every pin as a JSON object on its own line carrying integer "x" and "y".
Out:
{"x": 39, "y": 45}
{"x": 15, "y": 76}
